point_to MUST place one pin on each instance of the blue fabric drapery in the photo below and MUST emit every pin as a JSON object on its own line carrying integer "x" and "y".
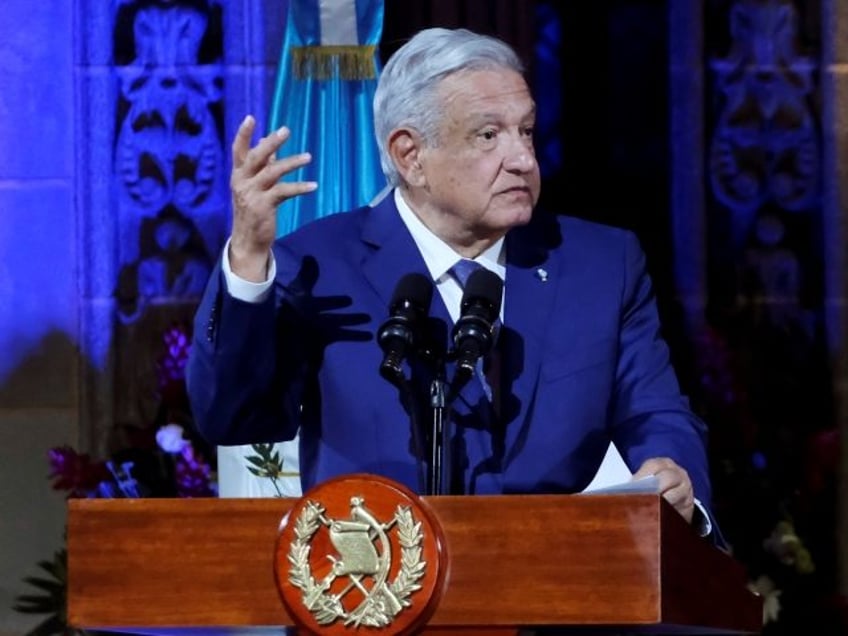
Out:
{"x": 324, "y": 94}
{"x": 325, "y": 90}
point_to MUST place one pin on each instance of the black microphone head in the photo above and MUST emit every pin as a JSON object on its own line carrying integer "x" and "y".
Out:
{"x": 414, "y": 291}
{"x": 483, "y": 288}
{"x": 474, "y": 331}
{"x": 399, "y": 335}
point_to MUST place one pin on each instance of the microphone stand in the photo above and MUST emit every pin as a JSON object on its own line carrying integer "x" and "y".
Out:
{"x": 441, "y": 397}
{"x": 438, "y": 467}
{"x": 440, "y": 454}
{"x": 439, "y": 438}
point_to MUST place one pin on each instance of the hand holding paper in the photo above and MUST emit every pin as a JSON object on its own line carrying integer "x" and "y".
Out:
{"x": 674, "y": 484}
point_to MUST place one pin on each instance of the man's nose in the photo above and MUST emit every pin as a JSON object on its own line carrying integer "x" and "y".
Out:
{"x": 520, "y": 157}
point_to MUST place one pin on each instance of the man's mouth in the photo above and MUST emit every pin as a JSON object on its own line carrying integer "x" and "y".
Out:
{"x": 516, "y": 190}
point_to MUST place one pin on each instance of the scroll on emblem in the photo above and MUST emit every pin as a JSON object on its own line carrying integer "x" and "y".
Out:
{"x": 360, "y": 553}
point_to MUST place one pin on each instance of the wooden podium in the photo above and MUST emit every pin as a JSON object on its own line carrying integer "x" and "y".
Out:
{"x": 206, "y": 566}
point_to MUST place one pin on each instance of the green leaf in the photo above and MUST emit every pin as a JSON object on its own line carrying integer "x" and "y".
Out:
{"x": 263, "y": 450}
{"x": 57, "y": 566}
{"x": 45, "y": 584}
{"x": 31, "y": 609}
{"x": 35, "y": 605}
{"x": 51, "y": 626}
{"x": 35, "y": 598}
{"x": 268, "y": 464}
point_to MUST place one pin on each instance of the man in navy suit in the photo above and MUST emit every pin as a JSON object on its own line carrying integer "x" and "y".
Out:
{"x": 285, "y": 336}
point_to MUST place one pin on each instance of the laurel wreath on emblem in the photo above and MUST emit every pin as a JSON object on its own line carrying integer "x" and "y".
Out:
{"x": 381, "y": 605}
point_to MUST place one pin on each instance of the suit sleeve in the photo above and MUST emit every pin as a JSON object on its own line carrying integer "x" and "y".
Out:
{"x": 650, "y": 416}
{"x": 244, "y": 373}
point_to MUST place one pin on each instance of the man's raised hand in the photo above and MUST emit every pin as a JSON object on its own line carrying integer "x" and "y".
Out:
{"x": 257, "y": 192}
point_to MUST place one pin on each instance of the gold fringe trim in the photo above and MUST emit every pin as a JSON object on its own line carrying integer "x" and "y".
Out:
{"x": 331, "y": 62}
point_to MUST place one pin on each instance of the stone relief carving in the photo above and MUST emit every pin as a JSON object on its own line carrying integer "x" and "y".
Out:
{"x": 772, "y": 279}
{"x": 168, "y": 150}
{"x": 173, "y": 264}
{"x": 765, "y": 146}
{"x": 168, "y": 175}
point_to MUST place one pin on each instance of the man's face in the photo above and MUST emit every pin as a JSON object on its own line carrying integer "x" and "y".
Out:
{"x": 480, "y": 176}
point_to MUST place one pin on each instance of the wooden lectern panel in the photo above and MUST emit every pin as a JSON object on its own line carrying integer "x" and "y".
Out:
{"x": 599, "y": 560}
{"x": 173, "y": 562}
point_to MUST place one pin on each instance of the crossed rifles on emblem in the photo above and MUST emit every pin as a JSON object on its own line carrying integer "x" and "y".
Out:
{"x": 357, "y": 558}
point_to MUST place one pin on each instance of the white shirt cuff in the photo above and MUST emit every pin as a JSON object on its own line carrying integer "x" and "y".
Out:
{"x": 246, "y": 290}
{"x": 703, "y": 524}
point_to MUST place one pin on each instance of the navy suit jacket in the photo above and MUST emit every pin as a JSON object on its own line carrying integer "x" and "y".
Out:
{"x": 582, "y": 360}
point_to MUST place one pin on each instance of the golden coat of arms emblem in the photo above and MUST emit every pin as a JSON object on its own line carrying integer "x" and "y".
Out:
{"x": 372, "y": 564}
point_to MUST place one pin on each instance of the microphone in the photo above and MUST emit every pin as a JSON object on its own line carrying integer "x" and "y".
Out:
{"x": 408, "y": 310}
{"x": 474, "y": 331}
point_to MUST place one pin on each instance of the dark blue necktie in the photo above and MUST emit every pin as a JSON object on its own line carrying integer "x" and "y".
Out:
{"x": 463, "y": 269}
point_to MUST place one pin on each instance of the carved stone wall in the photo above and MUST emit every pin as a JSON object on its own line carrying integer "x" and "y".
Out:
{"x": 168, "y": 175}
{"x": 162, "y": 86}
{"x": 768, "y": 244}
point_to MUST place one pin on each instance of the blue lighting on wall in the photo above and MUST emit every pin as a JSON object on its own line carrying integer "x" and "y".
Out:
{"x": 37, "y": 230}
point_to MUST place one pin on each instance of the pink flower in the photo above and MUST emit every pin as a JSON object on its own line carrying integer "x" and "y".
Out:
{"x": 75, "y": 472}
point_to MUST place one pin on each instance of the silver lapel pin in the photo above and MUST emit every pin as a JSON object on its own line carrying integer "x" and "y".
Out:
{"x": 542, "y": 275}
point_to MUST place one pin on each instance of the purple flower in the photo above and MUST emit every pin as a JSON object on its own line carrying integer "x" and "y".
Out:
{"x": 193, "y": 475}
{"x": 75, "y": 472}
{"x": 170, "y": 438}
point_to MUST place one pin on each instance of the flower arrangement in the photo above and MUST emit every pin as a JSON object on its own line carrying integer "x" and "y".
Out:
{"x": 774, "y": 457}
{"x": 162, "y": 460}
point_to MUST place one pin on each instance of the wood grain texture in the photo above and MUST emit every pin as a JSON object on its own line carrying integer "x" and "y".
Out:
{"x": 514, "y": 560}
{"x": 172, "y": 562}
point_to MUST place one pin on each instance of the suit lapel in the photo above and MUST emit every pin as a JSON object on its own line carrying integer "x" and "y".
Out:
{"x": 393, "y": 252}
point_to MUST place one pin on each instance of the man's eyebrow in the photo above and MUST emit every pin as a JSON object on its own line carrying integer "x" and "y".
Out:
{"x": 479, "y": 119}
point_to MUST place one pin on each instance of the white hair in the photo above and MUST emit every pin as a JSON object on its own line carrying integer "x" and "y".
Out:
{"x": 406, "y": 92}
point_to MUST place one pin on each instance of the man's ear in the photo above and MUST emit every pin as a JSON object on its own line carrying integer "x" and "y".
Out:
{"x": 405, "y": 147}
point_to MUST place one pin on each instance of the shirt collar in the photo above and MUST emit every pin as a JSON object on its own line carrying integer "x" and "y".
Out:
{"x": 438, "y": 255}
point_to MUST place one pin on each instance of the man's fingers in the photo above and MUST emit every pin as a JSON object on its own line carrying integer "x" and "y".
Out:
{"x": 241, "y": 142}
{"x": 286, "y": 190}
{"x": 680, "y": 496}
{"x": 653, "y": 466}
{"x": 275, "y": 169}
{"x": 260, "y": 155}
{"x": 682, "y": 499}
{"x": 673, "y": 483}
{"x": 669, "y": 475}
